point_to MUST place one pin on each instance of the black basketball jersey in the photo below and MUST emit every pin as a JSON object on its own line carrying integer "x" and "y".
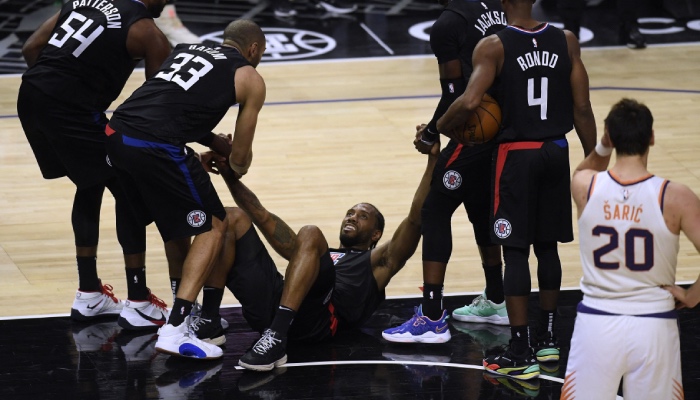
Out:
{"x": 460, "y": 27}
{"x": 536, "y": 76}
{"x": 356, "y": 295}
{"x": 86, "y": 62}
{"x": 186, "y": 99}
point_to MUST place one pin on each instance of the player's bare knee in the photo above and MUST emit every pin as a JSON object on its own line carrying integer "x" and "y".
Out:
{"x": 238, "y": 222}
{"x": 311, "y": 235}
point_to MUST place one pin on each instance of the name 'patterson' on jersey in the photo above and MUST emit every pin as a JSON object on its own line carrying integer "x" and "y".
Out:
{"x": 106, "y": 8}
{"x": 537, "y": 58}
{"x": 214, "y": 52}
{"x": 488, "y": 19}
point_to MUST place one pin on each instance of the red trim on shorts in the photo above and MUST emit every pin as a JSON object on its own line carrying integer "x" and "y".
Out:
{"x": 108, "y": 130}
{"x": 334, "y": 319}
{"x": 454, "y": 155}
{"x": 503, "y": 150}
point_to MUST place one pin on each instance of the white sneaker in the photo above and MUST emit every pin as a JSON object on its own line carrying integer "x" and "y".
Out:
{"x": 137, "y": 346}
{"x": 197, "y": 312}
{"x": 91, "y": 305}
{"x": 483, "y": 310}
{"x": 144, "y": 314}
{"x": 95, "y": 337}
{"x": 181, "y": 341}
{"x": 172, "y": 27}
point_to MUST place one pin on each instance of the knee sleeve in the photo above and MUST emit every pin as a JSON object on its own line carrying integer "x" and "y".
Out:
{"x": 548, "y": 265}
{"x": 131, "y": 232}
{"x": 86, "y": 215}
{"x": 436, "y": 226}
{"x": 516, "y": 278}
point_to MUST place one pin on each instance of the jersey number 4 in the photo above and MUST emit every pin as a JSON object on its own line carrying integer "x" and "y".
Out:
{"x": 538, "y": 101}
{"x": 633, "y": 237}
{"x": 66, "y": 31}
{"x": 198, "y": 67}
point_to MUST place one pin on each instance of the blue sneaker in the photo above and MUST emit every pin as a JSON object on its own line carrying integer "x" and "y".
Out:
{"x": 420, "y": 329}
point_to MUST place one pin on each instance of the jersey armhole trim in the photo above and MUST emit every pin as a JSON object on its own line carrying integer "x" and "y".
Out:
{"x": 662, "y": 193}
{"x": 590, "y": 186}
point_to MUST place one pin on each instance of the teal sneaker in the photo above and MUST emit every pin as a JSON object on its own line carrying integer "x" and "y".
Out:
{"x": 483, "y": 310}
{"x": 546, "y": 347}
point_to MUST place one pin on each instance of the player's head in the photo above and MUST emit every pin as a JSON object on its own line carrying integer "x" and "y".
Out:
{"x": 362, "y": 227}
{"x": 154, "y": 7}
{"x": 248, "y": 38}
{"x": 629, "y": 124}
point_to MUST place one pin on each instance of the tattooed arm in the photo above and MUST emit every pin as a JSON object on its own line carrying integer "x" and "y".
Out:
{"x": 280, "y": 236}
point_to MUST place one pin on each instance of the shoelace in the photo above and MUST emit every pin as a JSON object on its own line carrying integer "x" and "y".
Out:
{"x": 266, "y": 342}
{"x": 156, "y": 301}
{"x": 478, "y": 300}
{"x": 107, "y": 291}
{"x": 198, "y": 321}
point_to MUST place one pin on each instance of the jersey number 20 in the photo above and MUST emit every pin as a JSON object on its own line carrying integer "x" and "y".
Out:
{"x": 632, "y": 236}
{"x": 79, "y": 34}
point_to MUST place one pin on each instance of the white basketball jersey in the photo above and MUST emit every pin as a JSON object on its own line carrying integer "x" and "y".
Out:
{"x": 627, "y": 251}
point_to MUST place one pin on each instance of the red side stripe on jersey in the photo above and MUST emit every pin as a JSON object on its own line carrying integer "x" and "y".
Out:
{"x": 454, "y": 155}
{"x": 334, "y": 319}
{"x": 108, "y": 130}
{"x": 662, "y": 193}
{"x": 567, "y": 391}
{"x": 591, "y": 186}
{"x": 503, "y": 150}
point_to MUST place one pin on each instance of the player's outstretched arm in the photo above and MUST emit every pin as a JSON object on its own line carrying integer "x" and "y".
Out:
{"x": 584, "y": 120}
{"x": 280, "y": 236}
{"x": 389, "y": 258}
{"x": 250, "y": 96}
{"x": 38, "y": 40}
{"x": 682, "y": 213}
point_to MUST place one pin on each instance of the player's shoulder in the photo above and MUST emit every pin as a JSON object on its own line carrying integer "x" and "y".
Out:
{"x": 679, "y": 194}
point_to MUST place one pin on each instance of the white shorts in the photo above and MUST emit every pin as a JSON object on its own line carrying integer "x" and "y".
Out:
{"x": 643, "y": 351}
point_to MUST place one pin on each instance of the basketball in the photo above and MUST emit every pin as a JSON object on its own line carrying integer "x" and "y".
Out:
{"x": 483, "y": 124}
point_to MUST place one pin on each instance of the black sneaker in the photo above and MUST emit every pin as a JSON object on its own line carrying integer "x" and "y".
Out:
{"x": 632, "y": 38}
{"x": 267, "y": 353}
{"x": 508, "y": 363}
{"x": 209, "y": 330}
{"x": 546, "y": 347}
{"x": 336, "y": 6}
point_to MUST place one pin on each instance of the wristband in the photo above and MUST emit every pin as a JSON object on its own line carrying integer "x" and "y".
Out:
{"x": 603, "y": 150}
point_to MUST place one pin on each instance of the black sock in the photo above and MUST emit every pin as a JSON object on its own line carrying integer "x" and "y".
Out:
{"x": 432, "y": 301}
{"x": 283, "y": 319}
{"x": 211, "y": 301}
{"x": 546, "y": 321}
{"x": 494, "y": 283}
{"x": 181, "y": 309}
{"x": 87, "y": 275}
{"x": 520, "y": 340}
{"x": 174, "y": 285}
{"x": 136, "y": 283}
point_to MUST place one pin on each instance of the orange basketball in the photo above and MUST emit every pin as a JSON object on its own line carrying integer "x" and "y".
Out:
{"x": 483, "y": 124}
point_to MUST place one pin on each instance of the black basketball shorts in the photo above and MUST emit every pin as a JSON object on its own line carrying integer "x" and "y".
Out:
{"x": 531, "y": 198}
{"x": 256, "y": 283}
{"x": 166, "y": 184}
{"x": 65, "y": 141}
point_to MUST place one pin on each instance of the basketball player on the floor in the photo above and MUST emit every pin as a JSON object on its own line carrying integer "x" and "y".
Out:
{"x": 147, "y": 137}
{"x": 324, "y": 289}
{"x": 462, "y": 176}
{"x": 629, "y": 224}
{"x": 540, "y": 68}
{"x": 79, "y": 61}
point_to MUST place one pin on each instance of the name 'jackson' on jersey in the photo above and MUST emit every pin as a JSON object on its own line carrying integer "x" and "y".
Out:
{"x": 86, "y": 55}
{"x": 186, "y": 99}
{"x": 537, "y": 72}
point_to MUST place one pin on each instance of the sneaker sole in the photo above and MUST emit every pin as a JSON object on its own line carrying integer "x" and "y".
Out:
{"x": 125, "y": 324}
{"x": 548, "y": 357}
{"x": 492, "y": 319}
{"x": 217, "y": 341}
{"x": 523, "y": 373}
{"x": 76, "y": 315}
{"x": 265, "y": 367}
{"x": 425, "y": 338}
{"x": 177, "y": 353}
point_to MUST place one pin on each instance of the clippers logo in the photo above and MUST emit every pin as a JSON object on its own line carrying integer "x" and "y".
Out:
{"x": 196, "y": 218}
{"x": 284, "y": 44}
{"x": 502, "y": 228}
{"x": 336, "y": 257}
{"x": 452, "y": 180}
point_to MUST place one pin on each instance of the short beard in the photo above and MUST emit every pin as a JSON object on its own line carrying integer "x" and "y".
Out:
{"x": 349, "y": 241}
